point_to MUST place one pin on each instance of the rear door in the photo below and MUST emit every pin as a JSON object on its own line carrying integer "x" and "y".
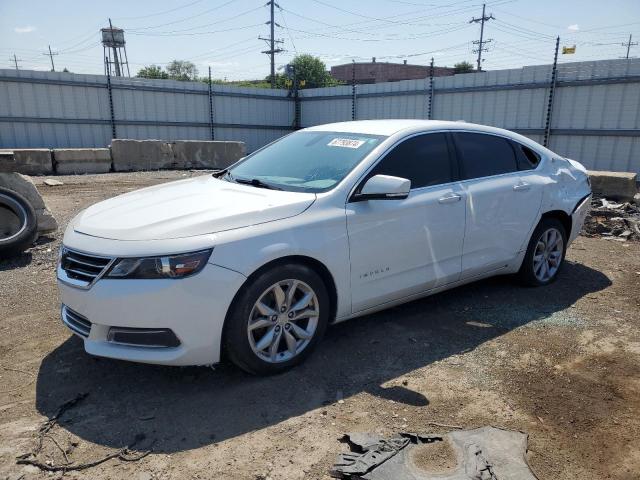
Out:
{"x": 502, "y": 201}
{"x": 402, "y": 247}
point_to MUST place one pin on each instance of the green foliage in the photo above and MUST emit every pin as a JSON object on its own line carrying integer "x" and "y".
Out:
{"x": 182, "y": 70}
{"x": 310, "y": 71}
{"x": 152, "y": 71}
{"x": 463, "y": 67}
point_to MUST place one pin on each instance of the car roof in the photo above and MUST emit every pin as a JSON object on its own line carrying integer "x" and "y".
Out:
{"x": 391, "y": 127}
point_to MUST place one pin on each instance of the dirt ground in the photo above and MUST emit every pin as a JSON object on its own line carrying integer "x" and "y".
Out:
{"x": 561, "y": 363}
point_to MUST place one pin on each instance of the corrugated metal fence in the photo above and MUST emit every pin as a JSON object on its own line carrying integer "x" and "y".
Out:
{"x": 51, "y": 109}
{"x": 595, "y": 116}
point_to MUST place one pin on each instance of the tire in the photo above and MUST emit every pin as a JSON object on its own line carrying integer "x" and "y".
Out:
{"x": 540, "y": 254}
{"x": 18, "y": 223}
{"x": 252, "y": 349}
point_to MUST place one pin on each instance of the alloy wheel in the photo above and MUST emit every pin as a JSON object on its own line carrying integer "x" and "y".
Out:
{"x": 548, "y": 254}
{"x": 283, "y": 321}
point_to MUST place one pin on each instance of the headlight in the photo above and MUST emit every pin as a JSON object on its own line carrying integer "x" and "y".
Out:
{"x": 170, "y": 266}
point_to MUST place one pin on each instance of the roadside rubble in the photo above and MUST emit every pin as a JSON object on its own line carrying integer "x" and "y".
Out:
{"x": 486, "y": 453}
{"x": 613, "y": 220}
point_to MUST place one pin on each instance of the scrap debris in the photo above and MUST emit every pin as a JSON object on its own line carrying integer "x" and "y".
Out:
{"x": 125, "y": 454}
{"x": 618, "y": 221}
{"x": 486, "y": 453}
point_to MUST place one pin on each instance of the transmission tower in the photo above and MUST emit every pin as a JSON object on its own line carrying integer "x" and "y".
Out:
{"x": 481, "y": 43}
{"x": 272, "y": 42}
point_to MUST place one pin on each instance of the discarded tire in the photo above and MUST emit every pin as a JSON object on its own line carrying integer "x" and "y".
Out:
{"x": 18, "y": 223}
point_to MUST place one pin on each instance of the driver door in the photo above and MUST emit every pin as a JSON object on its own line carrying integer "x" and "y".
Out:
{"x": 403, "y": 247}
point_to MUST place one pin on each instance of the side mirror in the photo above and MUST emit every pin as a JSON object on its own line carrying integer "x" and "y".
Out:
{"x": 384, "y": 187}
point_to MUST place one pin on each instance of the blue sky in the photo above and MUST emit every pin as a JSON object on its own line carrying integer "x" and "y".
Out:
{"x": 224, "y": 34}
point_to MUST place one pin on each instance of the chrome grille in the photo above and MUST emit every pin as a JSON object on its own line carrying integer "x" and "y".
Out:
{"x": 76, "y": 322}
{"x": 82, "y": 268}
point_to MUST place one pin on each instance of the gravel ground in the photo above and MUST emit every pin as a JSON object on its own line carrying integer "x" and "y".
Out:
{"x": 561, "y": 363}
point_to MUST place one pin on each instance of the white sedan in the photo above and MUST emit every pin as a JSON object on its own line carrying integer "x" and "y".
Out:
{"x": 325, "y": 224}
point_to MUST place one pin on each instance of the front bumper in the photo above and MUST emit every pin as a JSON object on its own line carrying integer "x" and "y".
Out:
{"x": 193, "y": 308}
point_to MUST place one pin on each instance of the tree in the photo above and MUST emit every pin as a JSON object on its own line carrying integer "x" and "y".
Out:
{"x": 463, "y": 67}
{"x": 152, "y": 71}
{"x": 310, "y": 70}
{"x": 182, "y": 70}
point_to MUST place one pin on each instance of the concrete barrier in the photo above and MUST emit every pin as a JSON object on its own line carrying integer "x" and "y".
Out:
{"x": 32, "y": 161}
{"x": 197, "y": 154}
{"x": 25, "y": 187}
{"x": 614, "y": 185}
{"x": 132, "y": 155}
{"x": 69, "y": 161}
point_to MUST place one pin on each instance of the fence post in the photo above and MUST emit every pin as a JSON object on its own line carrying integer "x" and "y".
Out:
{"x": 353, "y": 90}
{"x": 211, "y": 108}
{"x": 112, "y": 115}
{"x": 296, "y": 100}
{"x": 552, "y": 89}
{"x": 430, "y": 110}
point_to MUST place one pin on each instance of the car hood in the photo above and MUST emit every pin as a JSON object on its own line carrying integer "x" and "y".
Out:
{"x": 187, "y": 208}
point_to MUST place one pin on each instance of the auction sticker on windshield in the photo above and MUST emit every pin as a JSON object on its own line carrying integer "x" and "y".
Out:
{"x": 345, "y": 143}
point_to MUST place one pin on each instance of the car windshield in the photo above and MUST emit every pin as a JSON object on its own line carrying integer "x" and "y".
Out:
{"x": 305, "y": 161}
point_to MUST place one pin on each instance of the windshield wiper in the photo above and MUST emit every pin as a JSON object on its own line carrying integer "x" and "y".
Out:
{"x": 256, "y": 183}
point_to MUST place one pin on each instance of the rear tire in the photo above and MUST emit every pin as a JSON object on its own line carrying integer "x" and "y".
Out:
{"x": 545, "y": 253}
{"x": 277, "y": 319}
{"x": 18, "y": 223}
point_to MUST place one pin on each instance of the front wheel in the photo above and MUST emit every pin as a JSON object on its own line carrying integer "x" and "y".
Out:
{"x": 277, "y": 319}
{"x": 545, "y": 253}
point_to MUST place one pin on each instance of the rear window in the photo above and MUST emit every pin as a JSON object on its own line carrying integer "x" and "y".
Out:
{"x": 485, "y": 155}
{"x": 527, "y": 158}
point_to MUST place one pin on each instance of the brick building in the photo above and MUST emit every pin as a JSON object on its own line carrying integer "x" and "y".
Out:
{"x": 377, "y": 72}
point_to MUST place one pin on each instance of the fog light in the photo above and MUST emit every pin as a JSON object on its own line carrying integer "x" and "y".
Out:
{"x": 143, "y": 337}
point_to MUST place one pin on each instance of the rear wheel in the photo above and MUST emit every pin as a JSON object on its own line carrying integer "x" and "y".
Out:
{"x": 277, "y": 319}
{"x": 545, "y": 253}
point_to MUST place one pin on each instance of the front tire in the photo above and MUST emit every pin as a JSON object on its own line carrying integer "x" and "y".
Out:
{"x": 545, "y": 253}
{"x": 277, "y": 319}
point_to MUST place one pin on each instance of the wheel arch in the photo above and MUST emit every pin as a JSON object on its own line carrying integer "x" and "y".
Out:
{"x": 314, "y": 264}
{"x": 561, "y": 216}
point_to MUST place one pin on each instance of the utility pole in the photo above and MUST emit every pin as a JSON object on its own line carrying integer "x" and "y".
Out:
{"x": 481, "y": 48}
{"x": 629, "y": 44}
{"x": 50, "y": 55}
{"x": 271, "y": 41}
{"x": 16, "y": 60}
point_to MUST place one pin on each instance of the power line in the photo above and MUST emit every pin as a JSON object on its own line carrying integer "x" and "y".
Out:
{"x": 284, "y": 20}
{"x": 160, "y": 13}
{"x": 481, "y": 42}
{"x": 184, "y": 19}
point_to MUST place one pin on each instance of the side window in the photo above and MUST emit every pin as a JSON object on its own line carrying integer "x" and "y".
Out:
{"x": 485, "y": 155}
{"x": 527, "y": 158}
{"x": 423, "y": 159}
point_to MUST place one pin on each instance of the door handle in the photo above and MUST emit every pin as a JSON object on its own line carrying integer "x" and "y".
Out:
{"x": 450, "y": 198}
{"x": 523, "y": 186}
